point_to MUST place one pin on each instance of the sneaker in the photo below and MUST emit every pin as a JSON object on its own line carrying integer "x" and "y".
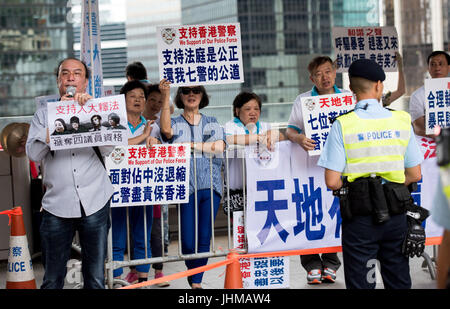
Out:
{"x": 161, "y": 284}
{"x": 132, "y": 278}
{"x": 314, "y": 276}
{"x": 329, "y": 275}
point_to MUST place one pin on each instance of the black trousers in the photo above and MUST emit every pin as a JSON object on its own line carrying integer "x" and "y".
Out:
{"x": 365, "y": 244}
{"x": 156, "y": 241}
{"x": 317, "y": 261}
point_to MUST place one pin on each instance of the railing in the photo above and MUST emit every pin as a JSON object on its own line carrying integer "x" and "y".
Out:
{"x": 111, "y": 265}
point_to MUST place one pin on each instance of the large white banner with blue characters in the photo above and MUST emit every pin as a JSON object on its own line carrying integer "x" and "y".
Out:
{"x": 289, "y": 206}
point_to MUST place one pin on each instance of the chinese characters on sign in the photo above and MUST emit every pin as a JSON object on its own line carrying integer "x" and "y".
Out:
{"x": 259, "y": 273}
{"x": 200, "y": 54}
{"x": 437, "y": 103}
{"x": 90, "y": 51}
{"x": 149, "y": 176}
{"x": 376, "y": 43}
{"x": 306, "y": 215}
{"x": 320, "y": 111}
{"x": 289, "y": 205}
{"x": 98, "y": 122}
{"x": 20, "y": 265}
{"x": 41, "y": 102}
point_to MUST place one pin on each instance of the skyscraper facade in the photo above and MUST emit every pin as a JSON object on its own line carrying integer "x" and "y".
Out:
{"x": 143, "y": 16}
{"x": 279, "y": 38}
{"x": 34, "y": 36}
{"x": 418, "y": 34}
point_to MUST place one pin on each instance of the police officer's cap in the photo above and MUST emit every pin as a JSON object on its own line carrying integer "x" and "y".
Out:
{"x": 367, "y": 69}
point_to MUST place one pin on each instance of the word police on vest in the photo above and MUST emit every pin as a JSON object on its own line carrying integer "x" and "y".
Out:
{"x": 378, "y": 135}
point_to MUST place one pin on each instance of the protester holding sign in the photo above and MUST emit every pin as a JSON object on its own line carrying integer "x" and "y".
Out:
{"x": 78, "y": 191}
{"x": 438, "y": 67}
{"x": 376, "y": 152}
{"x": 323, "y": 74}
{"x": 246, "y": 129}
{"x": 206, "y": 138}
{"x": 139, "y": 131}
{"x": 378, "y": 44}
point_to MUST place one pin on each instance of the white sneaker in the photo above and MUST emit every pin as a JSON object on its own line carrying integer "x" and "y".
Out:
{"x": 329, "y": 275}
{"x": 314, "y": 276}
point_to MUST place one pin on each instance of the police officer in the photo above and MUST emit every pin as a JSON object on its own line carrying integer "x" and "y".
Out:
{"x": 375, "y": 151}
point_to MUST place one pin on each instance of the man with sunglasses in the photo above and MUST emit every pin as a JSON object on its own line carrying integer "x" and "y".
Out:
{"x": 206, "y": 136}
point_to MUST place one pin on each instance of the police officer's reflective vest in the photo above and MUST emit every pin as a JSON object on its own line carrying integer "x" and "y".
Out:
{"x": 376, "y": 146}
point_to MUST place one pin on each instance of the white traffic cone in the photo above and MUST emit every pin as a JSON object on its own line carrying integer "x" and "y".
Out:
{"x": 20, "y": 273}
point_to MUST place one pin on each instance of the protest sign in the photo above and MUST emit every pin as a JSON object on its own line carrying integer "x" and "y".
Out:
{"x": 289, "y": 206}
{"x": 149, "y": 176}
{"x": 259, "y": 273}
{"x": 319, "y": 112}
{"x": 200, "y": 54}
{"x": 437, "y": 103}
{"x": 376, "y": 43}
{"x": 41, "y": 102}
{"x": 99, "y": 122}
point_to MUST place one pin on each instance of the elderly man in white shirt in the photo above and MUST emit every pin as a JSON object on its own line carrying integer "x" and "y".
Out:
{"x": 320, "y": 268}
{"x": 77, "y": 191}
{"x": 438, "y": 67}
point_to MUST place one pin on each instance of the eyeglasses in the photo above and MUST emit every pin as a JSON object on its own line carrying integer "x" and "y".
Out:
{"x": 187, "y": 90}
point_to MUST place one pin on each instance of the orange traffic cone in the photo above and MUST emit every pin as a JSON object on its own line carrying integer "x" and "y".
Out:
{"x": 20, "y": 273}
{"x": 233, "y": 276}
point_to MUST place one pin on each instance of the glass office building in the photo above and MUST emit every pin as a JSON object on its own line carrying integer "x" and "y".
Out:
{"x": 34, "y": 36}
{"x": 279, "y": 38}
{"x": 143, "y": 16}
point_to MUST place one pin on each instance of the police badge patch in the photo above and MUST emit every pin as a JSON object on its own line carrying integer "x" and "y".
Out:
{"x": 310, "y": 104}
{"x": 262, "y": 156}
{"x": 168, "y": 35}
{"x": 118, "y": 155}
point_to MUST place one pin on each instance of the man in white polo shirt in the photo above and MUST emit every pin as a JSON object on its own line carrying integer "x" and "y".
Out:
{"x": 438, "y": 67}
{"x": 320, "y": 268}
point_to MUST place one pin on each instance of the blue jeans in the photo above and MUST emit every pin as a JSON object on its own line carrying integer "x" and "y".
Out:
{"x": 119, "y": 234}
{"x": 56, "y": 239}
{"x": 188, "y": 229}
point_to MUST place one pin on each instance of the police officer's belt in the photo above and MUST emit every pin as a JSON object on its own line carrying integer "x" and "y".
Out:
{"x": 366, "y": 196}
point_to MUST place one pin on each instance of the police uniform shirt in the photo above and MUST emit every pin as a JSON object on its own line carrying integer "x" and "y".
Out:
{"x": 296, "y": 118}
{"x": 333, "y": 154}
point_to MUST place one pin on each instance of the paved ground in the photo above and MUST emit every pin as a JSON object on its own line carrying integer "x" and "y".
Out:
{"x": 214, "y": 279}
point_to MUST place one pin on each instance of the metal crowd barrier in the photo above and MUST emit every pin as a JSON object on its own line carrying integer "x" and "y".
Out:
{"x": 111, "y": 265}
